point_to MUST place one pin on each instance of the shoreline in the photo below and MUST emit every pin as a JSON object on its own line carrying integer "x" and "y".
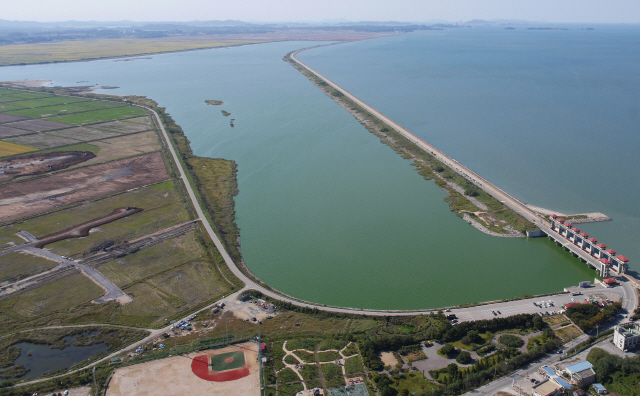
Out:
{"x": 136, "y": 55}
{"x": 251, "y": 282}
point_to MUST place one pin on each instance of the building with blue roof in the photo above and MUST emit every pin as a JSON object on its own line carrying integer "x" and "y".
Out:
{"x": 582, "y": 374}
{"x": 601, "y": 390}
{"x": 547, "y": 371}
{"x": 561, "y": 381}
{"x": 576, "y": 368}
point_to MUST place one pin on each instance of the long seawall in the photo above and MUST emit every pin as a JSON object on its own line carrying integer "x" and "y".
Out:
{"x": 491, "y": 189}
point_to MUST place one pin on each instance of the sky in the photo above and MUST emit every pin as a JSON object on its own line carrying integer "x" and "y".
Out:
{"x": 573, "y": 11}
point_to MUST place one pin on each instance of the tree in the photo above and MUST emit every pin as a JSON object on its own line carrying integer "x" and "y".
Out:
{"x": 466, "y": 340}
{"x": 474, "y": 336}
{"x": 464, "y": 357}
{"x": 448, "y": 350}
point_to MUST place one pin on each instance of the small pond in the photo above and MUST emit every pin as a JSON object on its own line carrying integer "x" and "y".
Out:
{"x": 40, "y": 358}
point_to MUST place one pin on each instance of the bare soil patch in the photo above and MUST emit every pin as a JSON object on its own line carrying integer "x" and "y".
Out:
{"x": 37, "y": 164}
{"x": 125, "y": 146}
{"x": 132, "y": 125}
{"x": 84, "y": 134}
{"x": 175, "y": 377}
{"x": 36, "y": 196}
{"x": 38, "y": 125}
{"x": 388, "y": 359}
{"x": 8, "y": 131}
{"x": 42, "y": 140}
{"x": 10, "y": 118}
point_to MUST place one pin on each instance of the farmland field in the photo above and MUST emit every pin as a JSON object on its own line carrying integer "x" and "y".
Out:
{"x": 94, "y": 116}
{"x": 102, "y": 48}
{"x": 68, "y": 108}
{"x": 11, "y": 105}
{"x": 7, "y": 148}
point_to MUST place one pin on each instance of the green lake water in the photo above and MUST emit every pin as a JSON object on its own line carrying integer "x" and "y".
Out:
{"x": 327, "y": 213}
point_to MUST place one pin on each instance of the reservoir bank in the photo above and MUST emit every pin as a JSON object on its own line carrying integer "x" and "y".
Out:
{"x": 327, "y": 213}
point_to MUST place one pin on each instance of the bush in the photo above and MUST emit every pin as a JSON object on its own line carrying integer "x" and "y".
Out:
{"x": 464, "y": 357}
{"x": 511, "y": 341}
{"x": 448, "y": 350}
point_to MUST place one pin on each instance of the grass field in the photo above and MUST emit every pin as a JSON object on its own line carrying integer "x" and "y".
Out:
{"x": 16, "y": 266}
{"x": 162, "y": 206}
{"x": 328, "y": 356}
{"x": 94, "y": 116}
{"x": 414, "y": 382}
{"x": 7, "y": 148}
{"x": 353, "y": 365}
{"x": 63, "y": 109}
{"x": 332, "y": 375}
{"x": 216, "y": 181}
{"x": 104, "y": 48}
{"x": 57, "y": 296}
{"x": 157, "y": 259}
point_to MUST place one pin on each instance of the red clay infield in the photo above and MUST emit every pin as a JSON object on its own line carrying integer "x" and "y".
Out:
{"x": 200, "y": 367}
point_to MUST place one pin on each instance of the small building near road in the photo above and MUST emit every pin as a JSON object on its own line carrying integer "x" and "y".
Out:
{"x": 626, "y": 336}
{"x": 547, "y": 372}
{"x": 581, "y": 374}
{"x": 600, "y": 390}
{"x": 561, "y": 381}
{"x": 547, "y": 388}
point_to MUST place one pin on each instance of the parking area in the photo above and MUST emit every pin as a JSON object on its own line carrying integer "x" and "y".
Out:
{"x": 546, "y": 305}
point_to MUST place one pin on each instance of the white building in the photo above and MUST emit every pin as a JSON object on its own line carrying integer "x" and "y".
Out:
{"x": 626, "y": 336}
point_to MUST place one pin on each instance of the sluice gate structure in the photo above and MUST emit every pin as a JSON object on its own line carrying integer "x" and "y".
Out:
{"x": 606, "y": 261}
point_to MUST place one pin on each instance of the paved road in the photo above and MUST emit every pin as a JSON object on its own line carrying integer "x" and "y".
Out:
{"x": 113, "y": 292}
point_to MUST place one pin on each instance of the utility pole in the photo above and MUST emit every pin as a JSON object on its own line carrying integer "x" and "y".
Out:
{"x": 175, "y": 337}
{"x": 95, "y": 384}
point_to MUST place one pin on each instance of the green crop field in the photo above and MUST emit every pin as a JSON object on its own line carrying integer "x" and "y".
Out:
{"x": 9, "y": 95}
{"x": 95, "y": 116}
{"x": 34, "y": 103}
{"x": 64, "y": 109}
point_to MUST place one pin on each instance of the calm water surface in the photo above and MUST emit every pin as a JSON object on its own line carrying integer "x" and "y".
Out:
{"x": 40, "y": 359}
{"x": 327, "y": 213}
{"x": 552, "y": 117}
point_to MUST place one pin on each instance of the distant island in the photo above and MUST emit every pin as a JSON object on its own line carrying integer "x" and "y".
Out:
{"x": 225, "y": 113}
{"x": 214, "y": 102}
{"x": 510, "y": 28}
